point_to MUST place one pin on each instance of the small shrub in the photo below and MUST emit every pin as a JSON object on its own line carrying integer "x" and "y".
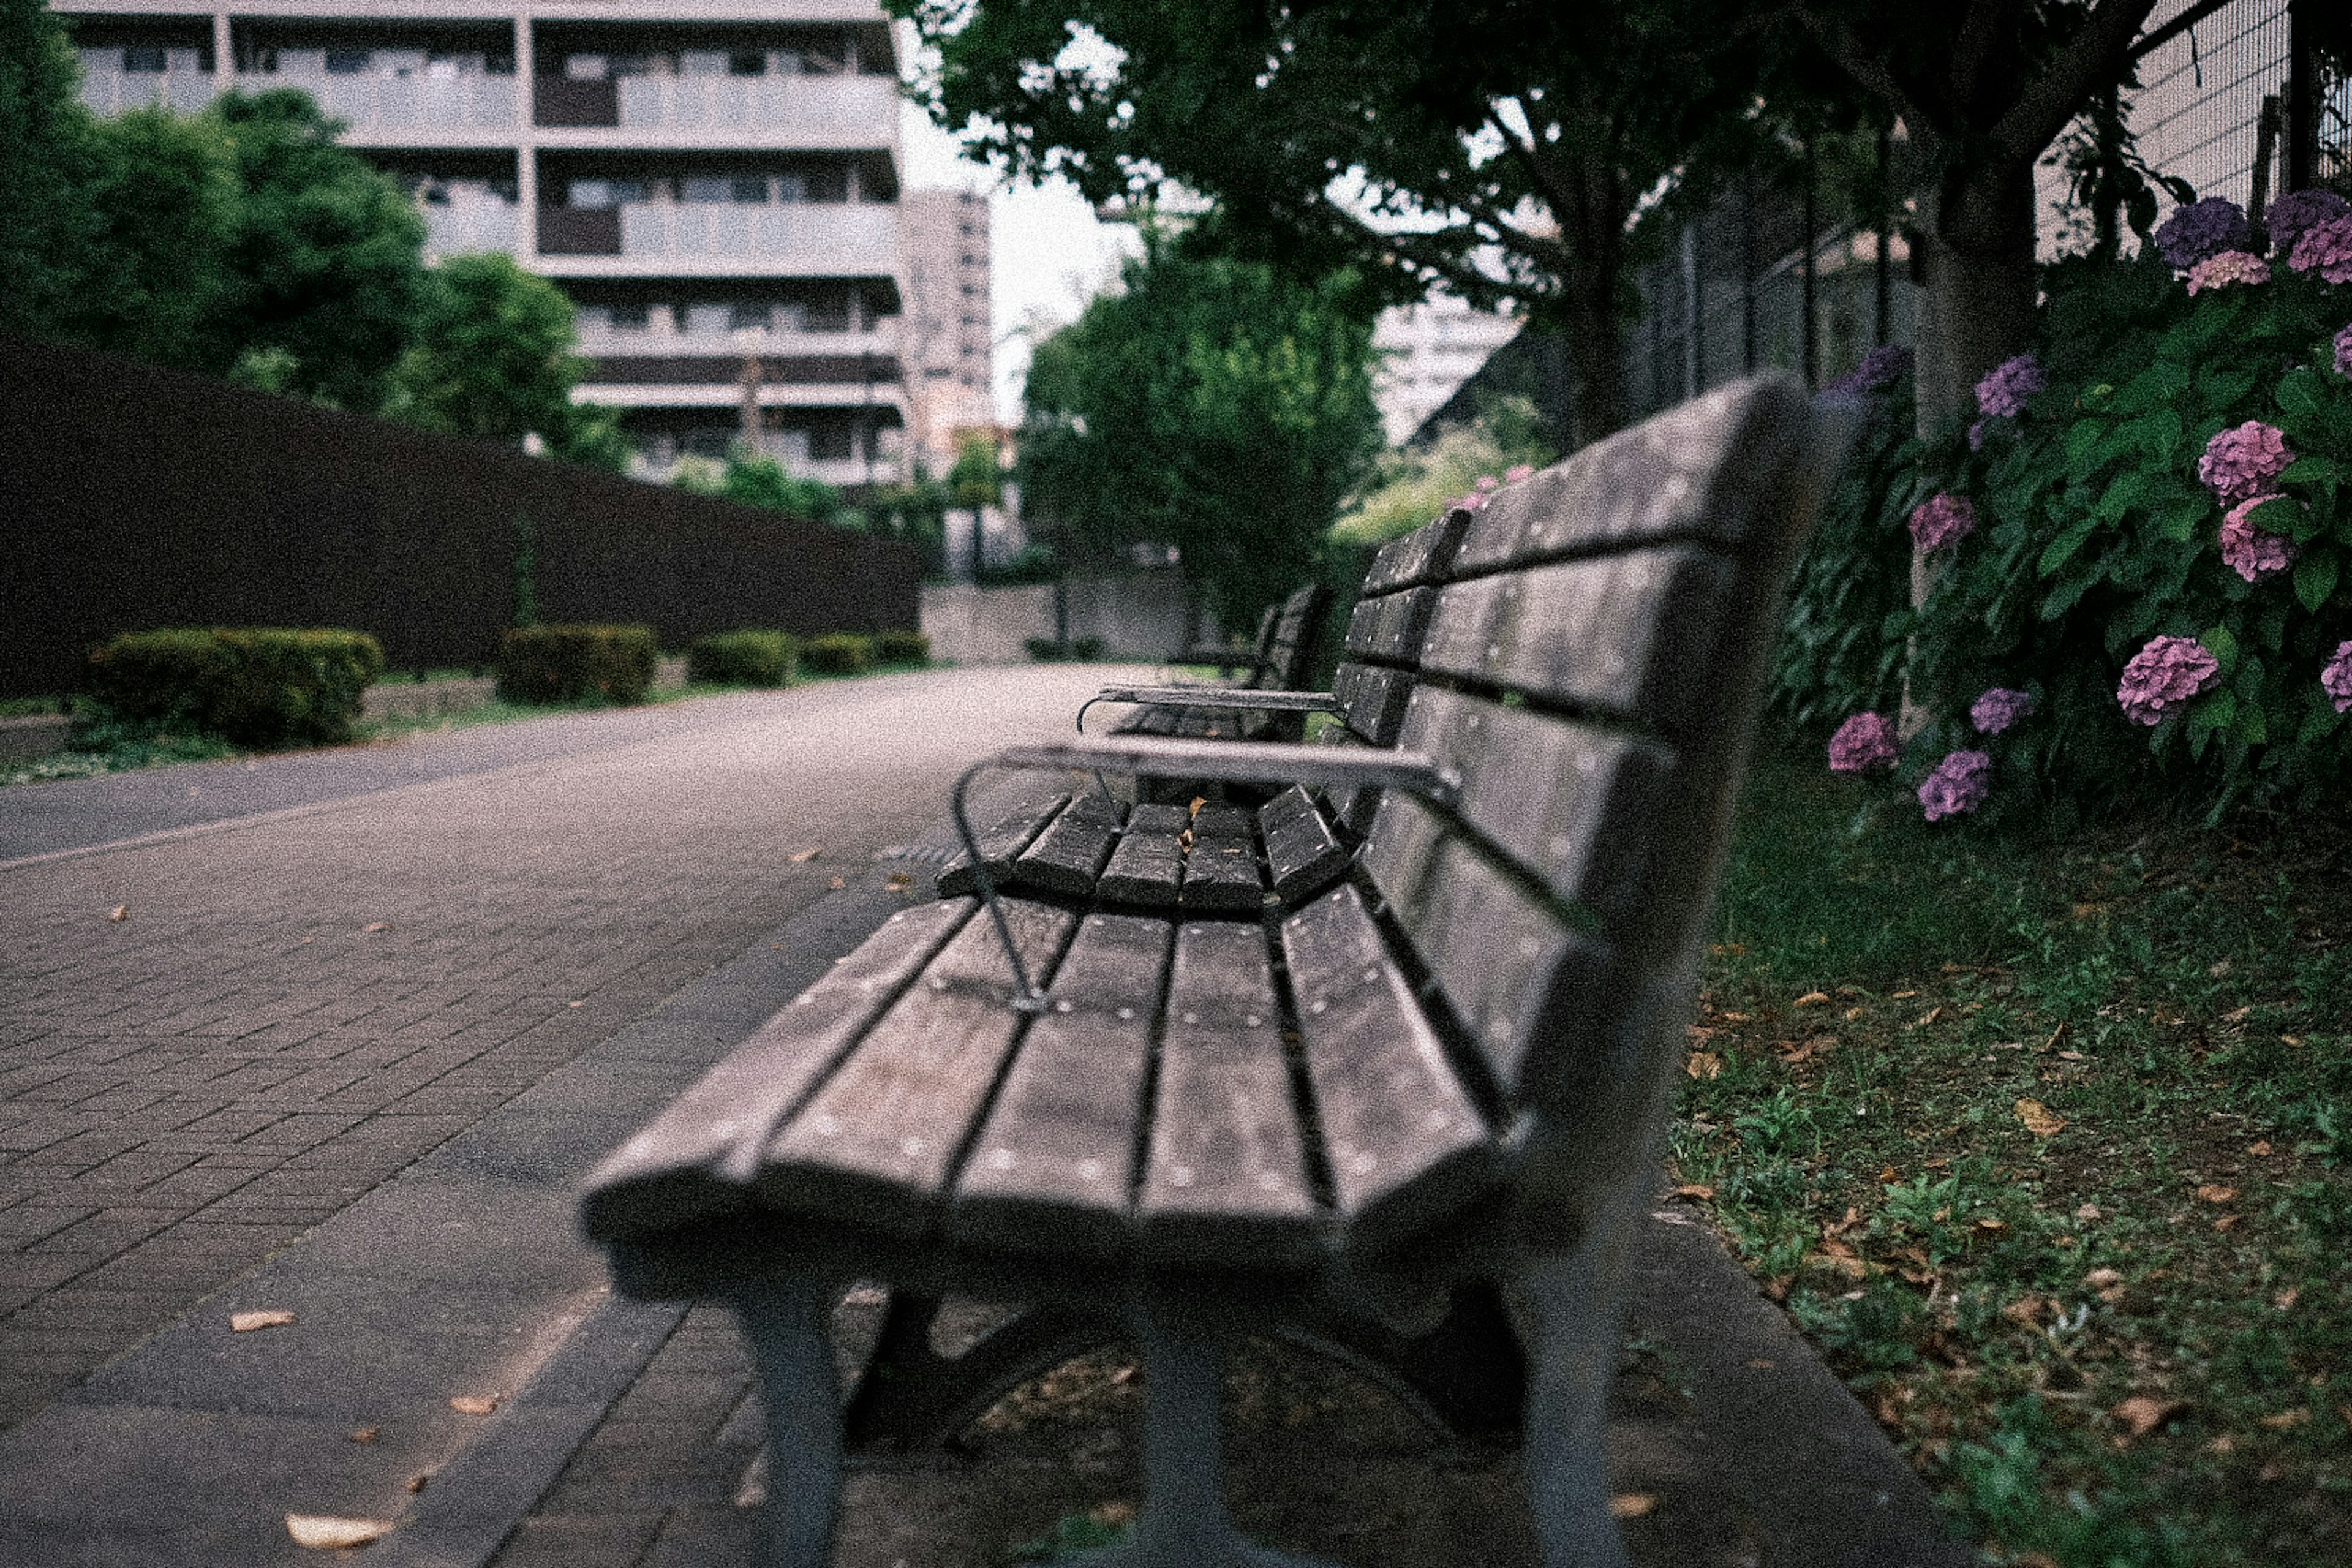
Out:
{"x": 837, "y": 653}
{"x": 902, "y": 647}
{"x": 1083, "y": 649}
{"x": 748, "y": 657}
{"x": 575, "y": 663}
{"x": 256, "y": 686}
{"x": 1045, "y": 650}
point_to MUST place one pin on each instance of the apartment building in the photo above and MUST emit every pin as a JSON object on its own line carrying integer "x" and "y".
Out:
{"x": 950, "y": 351}
{"x": 715, "y": 182}
{"x": 1427, "y": 351}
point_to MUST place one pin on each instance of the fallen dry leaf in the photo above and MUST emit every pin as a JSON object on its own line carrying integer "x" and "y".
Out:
{"x": 2072, "y": 1057}
{"x": 118, "y": 912}
{"x": 1854, "y": 1014}
{"x": 1812, "y": 999}
{"x": 2089, "y": 1212}
{"x": 1632, "y": 1505}
{"x": 474, "y": 1403}
{"x": 1929, "y": 1017}
{"x": 365, "y": 1434}
{"x": 1738, "y": 1018}
{"x": 323, "y": 1532}
{"x": 246, "y": 1322}
{"x": 416, "y": 1483}
{"x": 1889, "y": 1176}
{"x": 2039, "y": 1119}
{"x": 2220, "y": 969}
{"x": 2227, "y": 1220}
{"x": 2295, "y": 1040}
{"x": 2143, "y": 1414}
{"x": 2212, "y": 1192}
{"x": 2286, "y": 1299}
{"x": 801, "y": 857}
{"x": 1990, "y": 1224}
{"x": 2261, "y": 1147}
{"x": 838, "y": 883}
{"x": 1704, "y": 1065}
{"x": 2034, "y": 1560}
{"x": 1696, "y": 1192}
{"x": 1901, "y": 995}
{"x": 374, "y": 925}
{"x": 2100, "y": 1278}
{"x": 2237, "y": 1014}
{"x": 2287, "y": 1418}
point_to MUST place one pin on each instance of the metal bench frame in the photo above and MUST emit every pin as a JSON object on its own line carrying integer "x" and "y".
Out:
{"x": 1552, "y": 1205}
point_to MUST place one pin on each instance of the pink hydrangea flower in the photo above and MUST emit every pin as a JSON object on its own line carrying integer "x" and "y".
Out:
{"x": 1487, "y": 482}
{"x": 2326, "y": 248}
{"x": 2344, "y": 351}
{"x": 2003, "y": 391}
{"x": 1518, "y": 473}
{"x": 2243, "y": 462}
{"x": 1864, "y": 742}
{"x": 2230, "y": 267}
{"x": 1474, "y": 502}
{"x": 1942, "y": 519}
{"x": 1957, "y": 784}
{"x": 2000, "y": 707}
{"x": 2336, "y": 679}
{"x": 2162, "y": 675}
{"x": 2251, "y": 550}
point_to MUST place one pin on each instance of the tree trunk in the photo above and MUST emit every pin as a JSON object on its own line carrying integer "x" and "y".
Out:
{"x": 1976, "y": 295}
{"x": 1596, "y": 358}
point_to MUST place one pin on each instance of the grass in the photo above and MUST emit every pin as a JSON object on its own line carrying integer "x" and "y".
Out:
{"x": 2044, "y": 1144}
{"x": 123, "y": 751}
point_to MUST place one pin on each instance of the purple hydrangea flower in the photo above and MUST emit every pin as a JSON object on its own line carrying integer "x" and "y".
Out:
{"x": 2298, "y": 211}
{"x": 2344, "y": 351}
{"x": 2251, "y": 550}
{"x": 2202, "y": 229}
{"x": 1942, "y": 519}
{"x": 2326, "y": 248}
{"x": 1864, "y": 742}
{"x": 2230, "y": 267}
{"x": 2243, "y": 462}
{"x": 2162, "y": 675}
{"x": 1880, "y": 369}
{"x": 2336, "y": 679}
{"x": 2000, "y": 707}
{"x": 2002, "y": 393}
{"x": 1957, "y": 784}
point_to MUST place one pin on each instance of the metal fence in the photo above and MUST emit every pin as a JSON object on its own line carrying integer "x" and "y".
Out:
{"x": 1768, "y": 278}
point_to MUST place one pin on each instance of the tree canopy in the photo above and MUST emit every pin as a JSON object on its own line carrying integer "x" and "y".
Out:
{"x": 1509, "y": 151}
{"x": 1212, "y": 403}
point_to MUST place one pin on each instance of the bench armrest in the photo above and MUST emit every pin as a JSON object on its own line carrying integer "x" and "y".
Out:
{"x": 1213, "y": 697}
{"x": 1223, "y": 762}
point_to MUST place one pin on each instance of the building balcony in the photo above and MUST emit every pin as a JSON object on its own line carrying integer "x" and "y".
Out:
{"x": 692, "y": 239}
{"x": 617, "y": 343}
{"x": 710, "y": 391}
{"x": 460, "y": 228}
{"x": 110, "y": 91}
{"x": 802, "y": 110}
{"x": 409, "y": 111}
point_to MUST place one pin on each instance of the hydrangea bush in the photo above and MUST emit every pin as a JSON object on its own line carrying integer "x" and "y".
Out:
{"x": 2147, "y": 600}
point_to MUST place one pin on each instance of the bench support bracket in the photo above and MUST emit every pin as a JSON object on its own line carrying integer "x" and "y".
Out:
{"x": 789, "y": 1325}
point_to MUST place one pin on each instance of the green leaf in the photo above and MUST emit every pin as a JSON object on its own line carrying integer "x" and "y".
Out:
{"x": 2081, "y": 442}
{"x": 2214, "y": 710}
{"x": 2223, "y": 388}
{"x": 2251, "y": 726}
{"x": 2157, "y": 385}
{"x": 2312, "y": 471}
{"x": 2222, "y": 645}
{"x": 2303, "y": 394}
{"x": 2314, "y": 578}
{"x": 2125, "y": 493}
{"x": 2061, "y": 549}
{"x": 2063, "y": 597}
{"x": 2177, "y": 522}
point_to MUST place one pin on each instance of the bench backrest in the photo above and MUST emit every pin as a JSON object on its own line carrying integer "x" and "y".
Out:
{"x": 1593, "y": 666}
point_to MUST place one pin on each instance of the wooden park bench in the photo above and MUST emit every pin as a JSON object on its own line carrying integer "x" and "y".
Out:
{"x": 1289, "y": 637}
{"x": 1344, "y": 1114}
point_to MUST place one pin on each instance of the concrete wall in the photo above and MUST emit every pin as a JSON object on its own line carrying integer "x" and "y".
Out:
{"x": 1139, "y": 617}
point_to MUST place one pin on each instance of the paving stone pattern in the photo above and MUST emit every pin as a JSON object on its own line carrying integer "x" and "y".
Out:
{"x": 292, "y": 1011}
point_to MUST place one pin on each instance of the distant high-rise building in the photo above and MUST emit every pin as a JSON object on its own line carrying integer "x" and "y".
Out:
{"x": 951, "y": 355}
{"x": 1430, "y": 350}
{"x": 715, "y": 182}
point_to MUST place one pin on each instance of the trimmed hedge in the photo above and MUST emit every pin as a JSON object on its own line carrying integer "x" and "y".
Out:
{"x": 570, "y": 664}
{"x": 837, "y": 653}
{"x": 902, "y": 647}
{"x": 1045, "y": 650}
{"x": 748, "y": 657}
{"x": 258, "y": 686}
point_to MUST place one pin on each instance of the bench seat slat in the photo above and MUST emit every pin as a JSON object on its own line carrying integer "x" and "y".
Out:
{"x": 1572, "y": 804}
{"x": 1221, "y": 873}
{"x": 1407, "y": 1145}
{"x": 1388, "y": 628}
{"x": 695, "y": 1159}
{"x": 1514, "y": 972}
{"x": 1146, "y": 869}
{"x": 1069, "y": 854}
{"x": 1226, "y": 1183}
{"x": 1417, "y": 557}
{"x": 1614, "y": 634}
{"x": 1052, "y": 1168}
{"x": 1000, "y": 843}
{"x": 1372, "y": 701}
{"x": 1302, "y": 855}
{"x": 875, "y": 1145}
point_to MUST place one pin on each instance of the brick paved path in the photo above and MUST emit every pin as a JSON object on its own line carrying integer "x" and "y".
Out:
{"x": 298, "y": 1007}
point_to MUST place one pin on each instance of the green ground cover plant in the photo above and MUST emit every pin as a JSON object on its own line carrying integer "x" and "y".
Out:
{"x": 2046, "y": 1142}
{"x": 902, "y": 647}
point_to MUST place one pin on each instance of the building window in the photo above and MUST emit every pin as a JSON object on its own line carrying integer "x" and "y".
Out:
{"x": 348, "y": 62}
{"x": 747, "y": 62}
{"x": 739, "y": 316}
{"x": 630, "y": 318}
{"x": 143, "y": 60}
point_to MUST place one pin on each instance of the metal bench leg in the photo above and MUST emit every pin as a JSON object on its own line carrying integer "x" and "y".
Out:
{"x": 1578, "y": 1319}
{"x": 789, "y": 1322}
{"x": 1183, "y": 1523}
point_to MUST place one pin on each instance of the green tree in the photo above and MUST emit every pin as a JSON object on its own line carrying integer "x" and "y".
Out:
{"x": 1516, "y": 150}
{"x": 758, "y": 479}
{"x": 491, "y": 354}
{"x": 154, "y": 280}
{"x": 327, "y": 256}
{"x": 44, "y": 217}
{"x": 1214, "y": 404}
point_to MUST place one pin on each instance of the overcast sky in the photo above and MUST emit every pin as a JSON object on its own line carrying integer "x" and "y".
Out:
{"x": 1051, "y": 256}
